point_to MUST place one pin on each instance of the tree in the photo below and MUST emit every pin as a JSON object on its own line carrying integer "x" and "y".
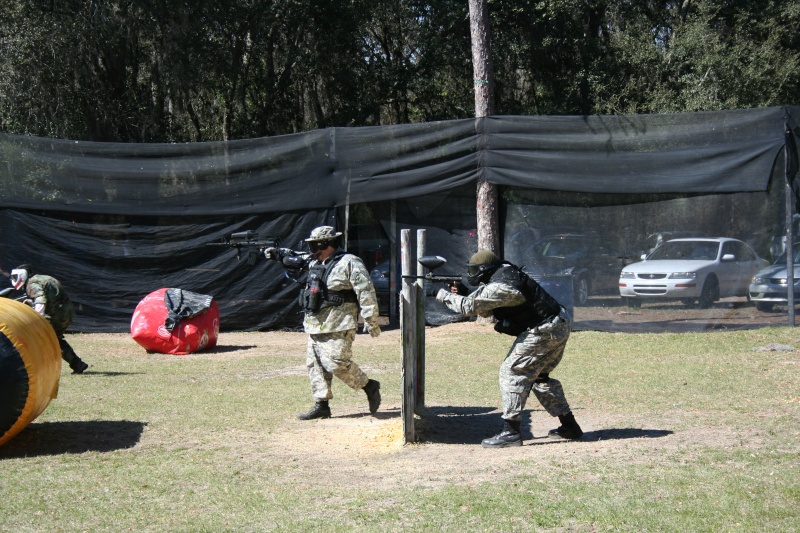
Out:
{"x": 487, "y": 197}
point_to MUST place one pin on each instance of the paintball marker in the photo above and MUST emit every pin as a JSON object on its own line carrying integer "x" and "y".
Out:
{"x": 246, "y": 239}
{"x": 432, "y": 262}
{"x": 5, "y": 294}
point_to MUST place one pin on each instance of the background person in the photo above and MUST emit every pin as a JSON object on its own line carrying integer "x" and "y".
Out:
{"x": 48, "y": 298}
{"x": 541, "y": 326}
{"x": 336, "y": 287}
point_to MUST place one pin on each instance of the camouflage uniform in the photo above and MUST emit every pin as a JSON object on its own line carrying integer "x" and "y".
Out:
{"x": 332, "y": 330}
{"x": 534, "y": 354}
{"x": 47, "y": 295}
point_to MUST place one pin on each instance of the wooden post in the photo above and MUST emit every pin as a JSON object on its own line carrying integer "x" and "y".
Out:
{"x": 408, "y": 312}
{"x": 419, "y": 402}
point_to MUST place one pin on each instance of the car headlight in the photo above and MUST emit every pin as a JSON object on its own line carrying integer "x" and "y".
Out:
{"x": 759, "y": 280}
{"x": 683, "y": 275}
{"x": 627, "y": 275}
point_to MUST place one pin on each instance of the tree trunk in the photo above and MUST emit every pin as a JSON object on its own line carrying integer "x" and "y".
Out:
{"x": 488, "y": 234}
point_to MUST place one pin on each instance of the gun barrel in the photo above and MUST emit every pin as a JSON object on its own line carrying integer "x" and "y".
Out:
{"x": 443, "y": 277}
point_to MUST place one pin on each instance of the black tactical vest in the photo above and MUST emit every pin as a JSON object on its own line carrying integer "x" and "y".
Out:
{"x": 315, "y": 295}
{"x": 538, "y": 308}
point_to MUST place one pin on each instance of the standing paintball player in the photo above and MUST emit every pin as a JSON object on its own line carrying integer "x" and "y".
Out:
{"x": 541, "y": 326}
{"x": 48, "y": 298}
{"x": 337, "y": 285}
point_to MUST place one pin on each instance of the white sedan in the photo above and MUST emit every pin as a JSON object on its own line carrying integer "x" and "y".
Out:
{"x": 691, "y": 270}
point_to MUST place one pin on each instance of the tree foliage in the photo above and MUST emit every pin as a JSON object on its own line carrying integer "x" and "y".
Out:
{"x": 177, "y": 71}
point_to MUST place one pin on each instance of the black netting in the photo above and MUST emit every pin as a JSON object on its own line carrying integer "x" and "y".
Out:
{"x": 115, "y": 221}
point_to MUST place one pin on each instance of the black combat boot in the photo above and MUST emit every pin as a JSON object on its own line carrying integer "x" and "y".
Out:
{"x": 569, "y": 429}
{"x": 320, "y": 410}
{"x": 510, "y": 436}
{"x": 78, "y": 366}
{"x": 373, "y": 390}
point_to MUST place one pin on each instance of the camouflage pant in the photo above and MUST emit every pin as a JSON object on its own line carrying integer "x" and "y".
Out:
{"x": 67, "y": 353}
{"x": 60, "y": 322}
{"x": 534, "y": 353}
{"x": 328, "y": 355}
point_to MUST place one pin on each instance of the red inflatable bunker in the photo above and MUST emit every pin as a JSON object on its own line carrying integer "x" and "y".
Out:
{"x": 191, "y": 334}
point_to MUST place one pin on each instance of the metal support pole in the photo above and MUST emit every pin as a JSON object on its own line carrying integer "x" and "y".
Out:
{"x": 419, "y": 407}
{"x": 789, "y": 231}
{"x": 393, "y": 273}
{"x": 408, "y": 312}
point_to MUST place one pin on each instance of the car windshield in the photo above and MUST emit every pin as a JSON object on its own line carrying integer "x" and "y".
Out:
{"x": 689, "y": 250}
{"x": 560, "y": 248}
{"x": 796, "y": 259}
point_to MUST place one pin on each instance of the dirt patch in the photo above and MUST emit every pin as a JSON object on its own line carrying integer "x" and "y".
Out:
{"x": 370, "y": 450}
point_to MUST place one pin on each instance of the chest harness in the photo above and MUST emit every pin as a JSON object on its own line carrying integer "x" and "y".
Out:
{"x": 539, "y": 306}
{"x": 315, "y": 296}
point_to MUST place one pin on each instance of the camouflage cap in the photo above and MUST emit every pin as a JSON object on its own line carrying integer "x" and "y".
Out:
{"x": 323, "y": 233}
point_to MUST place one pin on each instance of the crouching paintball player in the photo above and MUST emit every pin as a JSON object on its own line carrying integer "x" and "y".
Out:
{"x": 48, "y": 298}
{"x": 337, "y": 285}
{"x": 523, "y": 309}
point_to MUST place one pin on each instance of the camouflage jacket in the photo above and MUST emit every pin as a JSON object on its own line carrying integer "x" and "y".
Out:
{"x": 349, "y": 273}
{"x": 47, "y": 292}
{"x": 484, "y": 299}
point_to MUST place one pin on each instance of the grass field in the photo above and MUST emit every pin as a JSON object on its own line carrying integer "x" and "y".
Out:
{"x": 684, "y": 432}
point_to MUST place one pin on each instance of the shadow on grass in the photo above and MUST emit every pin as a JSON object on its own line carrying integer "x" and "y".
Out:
{"x": 623, "y": 433}
{"x": 382, "y": 414}
{"x": 109, "y": 374}
{"x": 458, "y": 425}
{"x": 470, "y": 425}
{"x": 669, "y": 326}
{"x": 57, "y": 438}
{"x": 225, "y": 349}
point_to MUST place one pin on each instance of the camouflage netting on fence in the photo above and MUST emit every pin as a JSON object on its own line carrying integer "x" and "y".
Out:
{"x": 115, "y": 222}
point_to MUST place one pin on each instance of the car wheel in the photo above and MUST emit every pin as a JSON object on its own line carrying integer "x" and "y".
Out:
{"x": 688, "y": 302}
{"x": 710, "y": 292}
{"x": 764, "y": 306}
{"x": 581, "y": 290}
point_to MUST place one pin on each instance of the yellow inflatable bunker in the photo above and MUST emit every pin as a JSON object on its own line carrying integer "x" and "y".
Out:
{"x": 30, "y": 367}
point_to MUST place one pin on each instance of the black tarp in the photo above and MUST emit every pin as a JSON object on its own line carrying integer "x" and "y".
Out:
{"x": 117, "y": 221}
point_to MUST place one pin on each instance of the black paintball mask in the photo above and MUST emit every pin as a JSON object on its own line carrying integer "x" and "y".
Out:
{"x": 481, "y": 266}
{"x": 316, "y": 247}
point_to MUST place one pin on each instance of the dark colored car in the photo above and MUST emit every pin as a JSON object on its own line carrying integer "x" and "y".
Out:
{"x": 770, "y": 285}
{"x": 592, "y": 263}
{"x": 436, "y": 314}
{"x": 369, "y": 242}
{"x": 381, "y": 281}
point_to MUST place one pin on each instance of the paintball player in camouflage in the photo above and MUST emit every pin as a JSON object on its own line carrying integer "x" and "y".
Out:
{"x": 337, "y": 285}
{"x": 48, "y": 298}
{"x": 541, "y": 326}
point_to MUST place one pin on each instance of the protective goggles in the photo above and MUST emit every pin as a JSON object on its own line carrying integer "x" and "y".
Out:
{"x": 474, "y": 270}
{"x": 316, "y": 246}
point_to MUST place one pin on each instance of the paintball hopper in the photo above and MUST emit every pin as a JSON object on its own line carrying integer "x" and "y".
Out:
{"x": 432, "y": 262}
{"x": 294, "y": 262}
